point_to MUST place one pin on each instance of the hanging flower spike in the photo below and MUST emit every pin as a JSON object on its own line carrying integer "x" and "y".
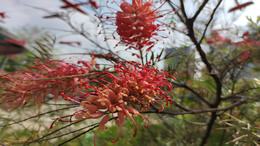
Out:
{"x": 31, "y": 86}
{"x": 136, "y": 23}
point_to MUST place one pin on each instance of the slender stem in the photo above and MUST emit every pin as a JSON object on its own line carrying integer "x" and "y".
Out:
{"x": 183, "y": 10}
{"x": 193, "y": 91}
{"x": 213, "y": 110}
{"x": 48, "y": 112}
{"x": 2, "y": 63}
{"x": 209, "y": 127}
{"x": 200, "y": 9}
{"x": 141, "y": 55}
{"x": 211, "y": 17}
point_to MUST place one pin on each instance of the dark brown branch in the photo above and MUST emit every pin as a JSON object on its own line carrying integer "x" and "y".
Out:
{"x": 209, "y": 127}
{"x": 180, "y": 106}
{"x": 247, "y": 90}
{"x": 199, "y": 10}
{"x": 204, "y": 59}
{"x": 38, "y": 115}
{"x": 241, "y": 101}
{"x": 189, "y": 24}
{"x": 183, "y": 10}
{"x": 177, "y": 13}
{"x": 193, "y": 91}
{"x": 211, "y": 18}
{"x": 37, "y": 140}
{"x": 224, "y": 131}
{"x": 78, "y": 135}
{"x": 176, "y": 104}
{"x": 71, "y": 132}
{"x": 82, "y": 133}
{"x": 232, "y": 97}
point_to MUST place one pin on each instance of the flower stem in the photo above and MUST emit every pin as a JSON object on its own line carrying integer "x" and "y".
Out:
{"x": 141, "y": 54}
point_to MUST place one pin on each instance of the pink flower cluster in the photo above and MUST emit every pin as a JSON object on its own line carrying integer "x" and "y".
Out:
{"x": 132, "y": 86}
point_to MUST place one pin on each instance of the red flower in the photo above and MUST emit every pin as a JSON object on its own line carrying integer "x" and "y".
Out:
{"x": 134, "y": 85}
{"x": 136, "y": 23}
{"x": 31, "y": 86}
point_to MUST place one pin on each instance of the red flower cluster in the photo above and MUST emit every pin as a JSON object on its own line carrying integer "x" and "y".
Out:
{"x": 135, "y": 23}
{"x": 135, "y": 85}
{"x": 31, "y": 86}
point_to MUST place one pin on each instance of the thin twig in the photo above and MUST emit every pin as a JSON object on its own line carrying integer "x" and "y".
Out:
{"x": 211, "y": 18}
{"x": 63, "y": 77}
{"x": 177, "y": 13}
{"x": 183, "y": 10}
{"x": 38, "y": 115}
{"x": 193, "y": 91}
{"x": 241, "y": 101}
{"x": 199, "y": 10}
{"x": 37, "y": 140}
{"x": 81, "y": 134}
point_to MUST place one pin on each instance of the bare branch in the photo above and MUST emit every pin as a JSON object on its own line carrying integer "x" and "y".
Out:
{"x": 211, "y": 18}
{"x": 71, "y": 132}
{"x": 38, "y": 115}
{"x": 241, "y": 101}
{"x": 177, "y": 13}
{"x": 183, "y": 10}
{"x": 37, "y": 140}
{"x": 194, "y": 92}
{"x": 199, "y": 10}
{"x": 82, "y": 133}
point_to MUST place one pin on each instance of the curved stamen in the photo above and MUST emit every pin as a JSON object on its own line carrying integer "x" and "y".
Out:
{"x": 113, "y": 141}
{"x": 95, "y": 137}
{"x": 127, "y": 113}
{"x": 146, "y": 119}
{"x": 160, "y": 105}
{"x": 134, "y": 135}
{"x": 121, "y": 119}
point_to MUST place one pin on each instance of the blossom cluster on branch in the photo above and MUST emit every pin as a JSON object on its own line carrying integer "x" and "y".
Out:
{"x": 31, "y": 86}
{"x": 135, "y": 23}
{"x": 133, "y": 86}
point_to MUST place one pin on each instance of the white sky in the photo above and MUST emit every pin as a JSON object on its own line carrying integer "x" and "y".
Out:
{"x": 20, "y": 15}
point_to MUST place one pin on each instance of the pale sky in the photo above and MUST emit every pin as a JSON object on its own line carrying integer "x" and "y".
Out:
{"x": 21, "y": 15}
